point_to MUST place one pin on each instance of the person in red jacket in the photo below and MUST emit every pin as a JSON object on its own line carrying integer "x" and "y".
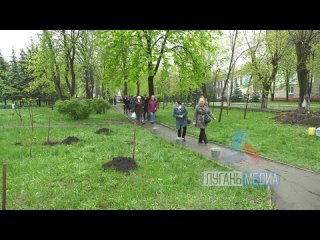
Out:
{"x": 152, "y": 108}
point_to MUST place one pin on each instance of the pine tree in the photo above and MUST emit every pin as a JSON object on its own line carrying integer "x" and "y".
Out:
{"x": 25, "y": 75}
{"x": 255, "y": 97}
{"x": 237, "y": 95}
{"x": 3, "y": 69}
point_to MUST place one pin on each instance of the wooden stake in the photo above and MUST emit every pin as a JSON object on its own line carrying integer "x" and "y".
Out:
{"x": 48, "y": 139}
{"x": 134, "y": 139}
{"x": 4, "y": 186}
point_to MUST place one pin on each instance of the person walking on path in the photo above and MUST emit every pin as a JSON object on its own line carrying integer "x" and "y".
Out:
{"x": 145, "y": 110}
{"x": 152, "y": 108}
{"x": 181, "y": 113}
{"x": 202, "y": 117}
{"x": 139, "y": 109}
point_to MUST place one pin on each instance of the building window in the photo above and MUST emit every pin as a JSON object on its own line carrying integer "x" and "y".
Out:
{"x": 291, "y": 90}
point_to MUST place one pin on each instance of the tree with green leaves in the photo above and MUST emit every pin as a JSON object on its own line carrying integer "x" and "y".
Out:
{"x": 188, "y": 50}
{"x": 304, "y": 41}
{"x": 70, "y": 40}
{"x": 121, "y": 58}
{"x": 233, "y": 43}
{"x": 88, "y": 59}
{"x": 277, "y": 42}
{"x": 46, "y": 61}
{"x": 287, "y": 69}
{"x": 266, "y": 50}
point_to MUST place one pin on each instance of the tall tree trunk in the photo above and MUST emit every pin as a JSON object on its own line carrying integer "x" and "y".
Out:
{"x": 125, "y": 86}
{"x": 204, "y": 90}
{"x": 66, "y": 77}
{"x": 56, "y": 80}
{"x": 150, "y": 85}
{"x": 264, "y": 98}
{"x": 91, "y": 82}
{"x": 310, "y": 77}
{"x": 66, "y": 53}
{"x": 87, "y": 82}
{"x": 245, "y": 110}
{"x": 55, "y": 69}
{"x": 231, "y": 90}
{"x": 138, "y": 87}
{"x": 73, "y": 78}
{"x": 273, "y": 89}
{"x": 272, "y": 80}
{"x": 229, "y": 71}
{"x": 302, "y": 70}
{"x": 268, "y": 82}
{"x": 70, "y": 57}
{"x": 287, "y": 85}
{"x": 153, "y": 71}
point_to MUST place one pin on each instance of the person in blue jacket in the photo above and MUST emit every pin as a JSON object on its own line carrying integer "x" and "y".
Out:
{"x": 181, "y": 113}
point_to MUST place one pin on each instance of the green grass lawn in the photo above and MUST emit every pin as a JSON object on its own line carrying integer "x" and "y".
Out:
{"x": 283, "y": 143}
{"x": 42, "y": 114}
{"x": 71, "y": 176}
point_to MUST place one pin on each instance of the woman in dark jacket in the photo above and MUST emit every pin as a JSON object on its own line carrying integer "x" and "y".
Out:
{"x": 202, "y": 113}
{"x": 139, "y": 109}
{"x": 180, "y": 113}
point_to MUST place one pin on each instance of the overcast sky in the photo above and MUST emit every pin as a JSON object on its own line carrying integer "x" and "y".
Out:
{"x": 16, "y": 39}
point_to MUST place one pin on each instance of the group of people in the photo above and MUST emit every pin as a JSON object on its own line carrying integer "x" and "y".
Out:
{"x": 141, "y": 107}
{"x": 201, "y": 119}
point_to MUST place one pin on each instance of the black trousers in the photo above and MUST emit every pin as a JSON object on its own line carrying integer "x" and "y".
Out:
{"x": 183, "y": 132}
{"x": 203, "y": 136}
{"x": 144, "y": 114}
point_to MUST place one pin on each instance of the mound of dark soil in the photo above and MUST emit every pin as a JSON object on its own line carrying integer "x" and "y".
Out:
{"x": 129, "y": 142}
{"x": 311, "y": 119}
{"x": 104, "y": 131}
{"x": 123, "y": 164}
{"x": 18, "y": 144}
{"x": 51, "y": 143}
{"x": 70, "y": 140}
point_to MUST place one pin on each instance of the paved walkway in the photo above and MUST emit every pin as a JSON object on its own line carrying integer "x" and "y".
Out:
{"x": 298, "y": 188}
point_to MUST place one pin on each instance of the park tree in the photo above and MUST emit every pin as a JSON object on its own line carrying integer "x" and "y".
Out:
{"x": 233, "y": 42}
{"x": 187, "y": 49}
{"x": 46, "y": 61}
{"x": 287, "y": 68}
{"x": 121, "y": 55}
{"x": 314, "y": 72}
{"x": 70, "y": 40}
{"x": 266, "y": 50}
{"x": 277, "y": 42}
{"x": 25, "y": 74}
{"x": 88, "y": 61}
{"x": 304, "y": 41}
{"x": 14, "y": 80}
{"x": 4, "y": 67}
{"x": 237, "y": 95}
{"x": 133, "y": 53}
